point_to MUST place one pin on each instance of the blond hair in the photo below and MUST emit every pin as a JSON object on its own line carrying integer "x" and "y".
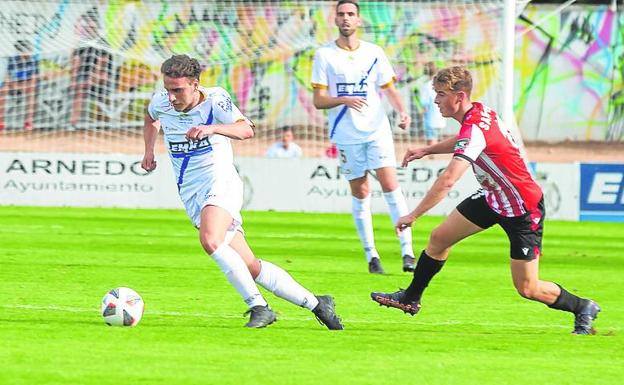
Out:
{"x": 456, "y": 78}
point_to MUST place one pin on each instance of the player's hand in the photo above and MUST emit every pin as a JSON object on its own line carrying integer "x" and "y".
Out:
{"x": 404, "y": 222}
{"x": 356, "y": 103}
{"x": 405, "y": 120}
{"x": 148, "y": 164}
{"x": 199, "y": 132}
{"x": 412, "y": 154}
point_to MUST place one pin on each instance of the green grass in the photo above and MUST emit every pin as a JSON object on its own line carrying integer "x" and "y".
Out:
{"x": 57, "y": 263}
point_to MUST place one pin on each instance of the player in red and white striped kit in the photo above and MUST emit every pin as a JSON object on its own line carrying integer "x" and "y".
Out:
{"x": 509, "y": 197}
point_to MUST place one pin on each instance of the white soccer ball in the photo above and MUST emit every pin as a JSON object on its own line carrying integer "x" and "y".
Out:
{"x": 122, "y": 307}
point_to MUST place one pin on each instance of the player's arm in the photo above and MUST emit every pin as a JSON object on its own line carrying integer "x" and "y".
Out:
{"x": 150, "y": 134}
{"x": 322, "y": 100}
{"x": 444, "y": 147}
{"x": 441, "y": 187}
{"x": 397, "y": 103}
{"x": 241, "y": 129}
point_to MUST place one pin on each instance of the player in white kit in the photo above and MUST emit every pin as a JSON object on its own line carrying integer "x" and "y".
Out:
{"x": 198, "y": 124}
{"x": 346, "y": 77}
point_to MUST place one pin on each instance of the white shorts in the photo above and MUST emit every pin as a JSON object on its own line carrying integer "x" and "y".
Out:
{"x": 225, "y": 192}
{"x": 356, "y": 159}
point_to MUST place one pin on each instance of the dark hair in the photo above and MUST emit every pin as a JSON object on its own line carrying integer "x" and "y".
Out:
{"x": 181, "y": 66}
{"x": 354, "y": 2}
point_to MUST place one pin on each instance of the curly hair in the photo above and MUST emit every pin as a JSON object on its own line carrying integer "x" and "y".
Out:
{"x": 181, "y": 66}
{"x": 456, "y": 78}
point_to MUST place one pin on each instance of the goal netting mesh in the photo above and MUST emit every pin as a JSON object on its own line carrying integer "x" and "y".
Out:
{"x": 77, "y": 75}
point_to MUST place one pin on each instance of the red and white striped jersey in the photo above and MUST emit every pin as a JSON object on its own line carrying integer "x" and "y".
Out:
{"x": 483, "y": 140}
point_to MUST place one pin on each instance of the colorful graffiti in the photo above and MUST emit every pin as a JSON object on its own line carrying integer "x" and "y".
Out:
{"x": 569, "y": 69}
{"x": 570, "y": 74}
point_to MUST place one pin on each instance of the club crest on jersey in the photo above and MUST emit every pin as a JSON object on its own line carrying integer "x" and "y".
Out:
{"x": 189, "y": 146}
{"x": 461, "y": 144}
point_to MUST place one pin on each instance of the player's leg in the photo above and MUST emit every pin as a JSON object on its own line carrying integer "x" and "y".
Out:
{"x": 382, "y": 158}
{"x": 279, "y": 282}
{"x": 215, "y": 222}
{"x": 353, "y": 165}
{"x": 272, "y": 277}
{"x": 431, "y": 133}
{"x": 525, "y": 274}
{"x": 525, "y": 236}
{"x": 397, "y": 206}
{"x": 214, "y": 208}
{"x": 470, "y": 217}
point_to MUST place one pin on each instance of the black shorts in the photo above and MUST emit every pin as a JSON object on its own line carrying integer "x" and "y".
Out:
{"x": 524, "y": 235}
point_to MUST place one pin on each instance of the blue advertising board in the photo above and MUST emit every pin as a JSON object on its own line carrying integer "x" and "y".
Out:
{"x": 602, "y": 192}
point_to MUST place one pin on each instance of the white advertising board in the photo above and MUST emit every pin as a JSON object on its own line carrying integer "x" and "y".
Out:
{"x": 309, "y": 185}
{"x": 90, "y": 180}
{"x": 560, "y": 183}
{"x": 315, "y": 185}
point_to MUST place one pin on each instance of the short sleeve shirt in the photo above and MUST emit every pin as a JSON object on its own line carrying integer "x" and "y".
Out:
{"x": 358, "y": 73}
{"x": 193, "y": 160}
{"x": 483, "y": 140}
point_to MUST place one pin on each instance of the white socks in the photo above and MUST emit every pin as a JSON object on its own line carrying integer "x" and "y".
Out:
{"x": 236, "y": 272}
{"x": 279, "y": 282}
{"x": 364, "y": 224}
{"x": 398, "y": 208}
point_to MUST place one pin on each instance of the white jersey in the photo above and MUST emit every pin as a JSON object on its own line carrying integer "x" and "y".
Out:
{"x": 360, "y": 73}
{"x": 196, "y": 162}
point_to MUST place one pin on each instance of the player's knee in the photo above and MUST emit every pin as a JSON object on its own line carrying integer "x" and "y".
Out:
{"x": 527, "y": 290}
{"x": 360, "y": 192}
{"x": 438, "y": 240}
{"x": 209, "y": 242}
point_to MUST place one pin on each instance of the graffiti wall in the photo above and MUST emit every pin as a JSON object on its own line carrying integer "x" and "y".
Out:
{"x": 569, "y": 68}
{"x": 569, "y": 72}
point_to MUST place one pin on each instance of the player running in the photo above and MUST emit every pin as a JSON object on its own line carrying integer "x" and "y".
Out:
{"x": 346, "y": 77}
{"x": 198, "y": 124}
{"x": 509, "y": 197}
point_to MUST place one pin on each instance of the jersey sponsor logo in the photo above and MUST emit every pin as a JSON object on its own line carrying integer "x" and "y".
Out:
{"x": 602, "y": 192}
{"x": 184, "y": 118}
{"x": 226, "y": 104}
{"x": 189, "y": 146}
{"x": 352, "y": 89}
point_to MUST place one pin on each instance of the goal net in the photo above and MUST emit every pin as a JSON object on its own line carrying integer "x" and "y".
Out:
{"x": 77, "y": 75}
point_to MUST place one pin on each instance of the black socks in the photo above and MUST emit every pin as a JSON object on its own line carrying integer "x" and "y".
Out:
{"x": 568, "y": 302}
{"x": 426, "y": 268}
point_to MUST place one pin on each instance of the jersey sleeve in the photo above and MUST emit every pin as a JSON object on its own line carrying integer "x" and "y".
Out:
{"x": 470, "y": 142}
{"x": 319, "y": 71}
{"x": 385, "y": 72}
{"x": 223, "y": 110}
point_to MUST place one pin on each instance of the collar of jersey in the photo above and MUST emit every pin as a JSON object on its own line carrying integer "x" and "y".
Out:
{"x": 346, "y": 49}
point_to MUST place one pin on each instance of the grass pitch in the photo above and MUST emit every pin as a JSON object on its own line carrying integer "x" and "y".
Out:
{"x": 57, "y": 263}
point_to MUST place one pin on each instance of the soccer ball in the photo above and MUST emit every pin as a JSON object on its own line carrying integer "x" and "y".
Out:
{"x": 122, "y": 307}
